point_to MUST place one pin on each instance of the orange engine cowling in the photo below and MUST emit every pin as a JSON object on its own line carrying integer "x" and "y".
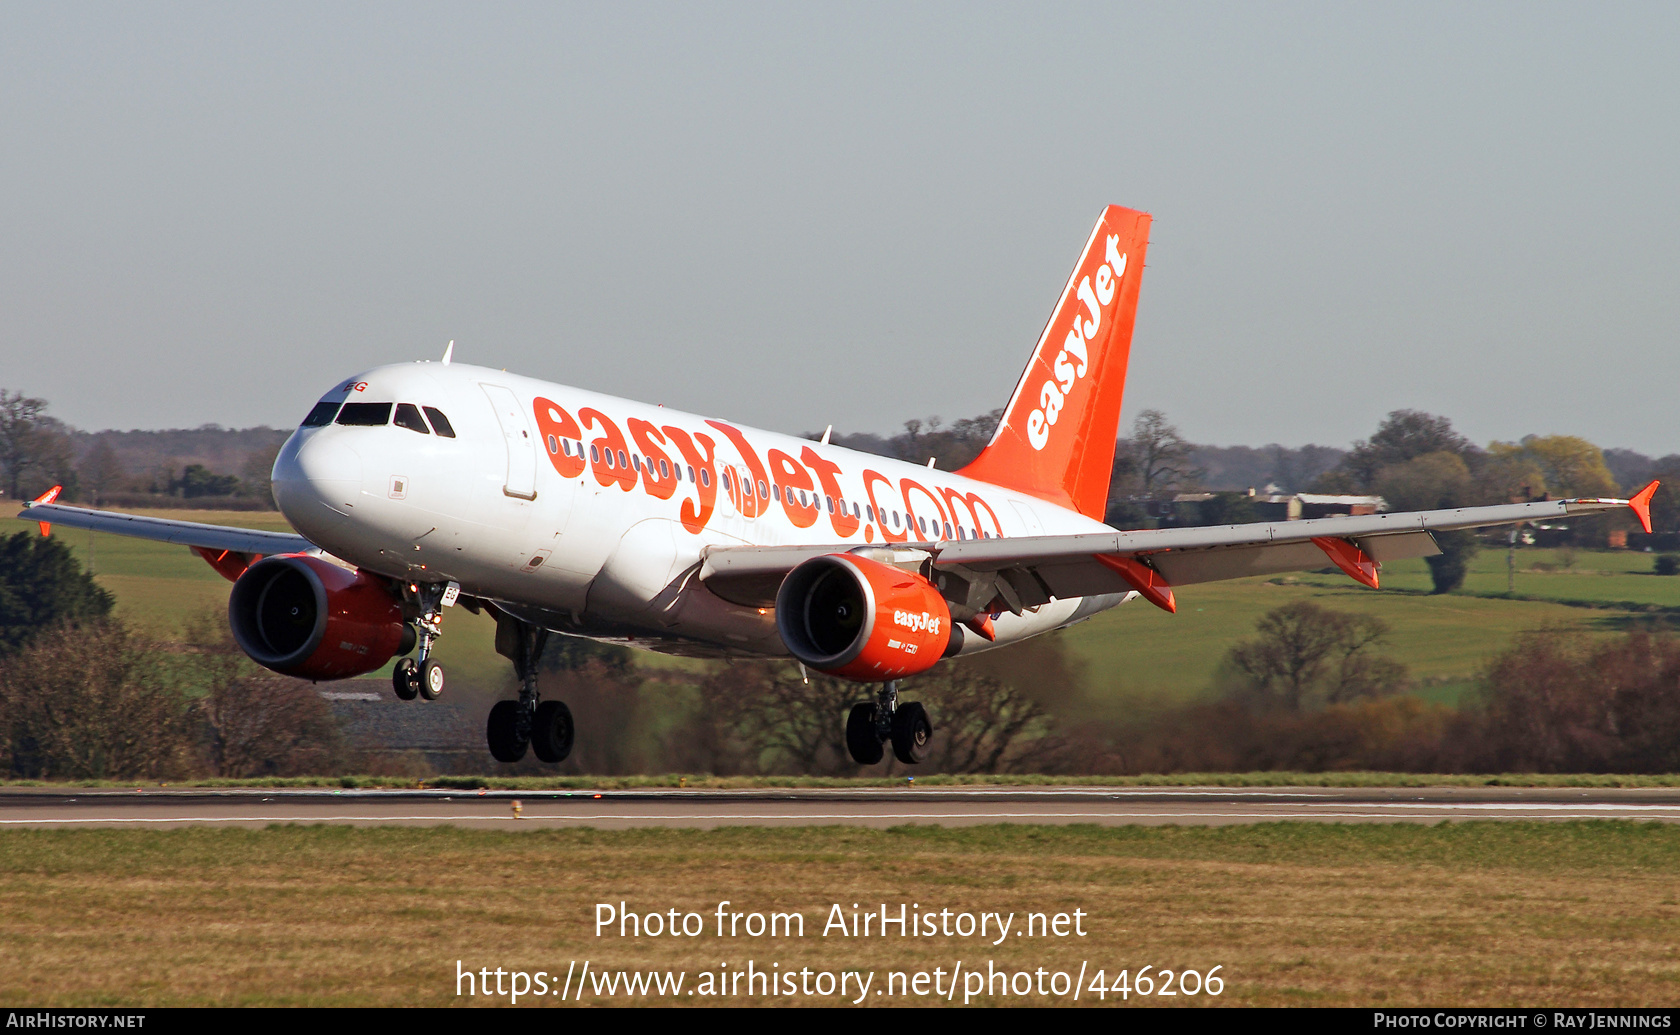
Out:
{"x": 302, "y": 616}
{"x": 860, "y": 619}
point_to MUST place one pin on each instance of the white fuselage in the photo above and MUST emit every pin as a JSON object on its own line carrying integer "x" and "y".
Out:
{"x": 588, "y": 513}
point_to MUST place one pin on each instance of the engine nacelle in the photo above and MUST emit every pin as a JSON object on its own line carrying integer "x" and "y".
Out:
{"x": 860, "y": 619}
{"x": 303, "y": 616}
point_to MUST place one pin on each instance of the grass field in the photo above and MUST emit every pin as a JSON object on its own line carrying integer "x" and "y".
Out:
{"x": 1140, "y": 655}
{"x": 1569, "y": 914}
{"x": 1137, "y": 657}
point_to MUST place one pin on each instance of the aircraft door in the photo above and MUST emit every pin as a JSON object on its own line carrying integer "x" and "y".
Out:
{"x": 521, "y": 481}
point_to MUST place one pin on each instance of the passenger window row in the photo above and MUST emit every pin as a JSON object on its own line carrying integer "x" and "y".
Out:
{"x": 375, "y": 415}
{"x": 408, "y": 416}
{"x": 615, "y": 459}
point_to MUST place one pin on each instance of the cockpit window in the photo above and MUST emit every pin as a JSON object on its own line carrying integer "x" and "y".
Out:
{"x": 440, "y": 423}
{"x": 408, "y": 416}
{"x": 365, "y": 415}
{"x": 321, "y": 415}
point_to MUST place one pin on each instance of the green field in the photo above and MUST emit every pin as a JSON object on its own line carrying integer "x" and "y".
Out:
{"x": 1136, "y": 656}
{"x": 1140, "y": 655}
{"x": 1494, "y": 914}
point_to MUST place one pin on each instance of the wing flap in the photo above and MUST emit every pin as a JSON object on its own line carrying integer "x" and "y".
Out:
{"x": 1402, "y": 547}
{"x": 1188, "y": 567}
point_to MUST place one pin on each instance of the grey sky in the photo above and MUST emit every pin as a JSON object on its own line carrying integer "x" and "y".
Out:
{"x": 793, "y": 215}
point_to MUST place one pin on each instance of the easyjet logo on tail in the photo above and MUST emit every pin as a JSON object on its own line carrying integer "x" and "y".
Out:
{"x": 1097, "y": 291}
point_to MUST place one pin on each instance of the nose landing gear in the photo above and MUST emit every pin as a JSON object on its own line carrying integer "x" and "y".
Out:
{"x": 422, "y": 676}
{"x": 405, "y": 679}
{"x": 906, "y": 726}
{"x": 528, "y": 723}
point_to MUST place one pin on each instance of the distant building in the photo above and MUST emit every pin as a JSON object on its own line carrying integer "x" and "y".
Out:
{"x": 1187, "y": 508}
{"x": 1315, "y": 505}
{"x": 1273, "y": 505}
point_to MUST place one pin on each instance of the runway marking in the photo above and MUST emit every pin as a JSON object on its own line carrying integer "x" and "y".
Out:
{"x": 1515, "y": 805}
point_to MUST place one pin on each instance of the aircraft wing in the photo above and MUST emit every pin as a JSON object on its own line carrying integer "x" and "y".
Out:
{"x": 249, "y": 541}
{"x": 1025, "y": 572}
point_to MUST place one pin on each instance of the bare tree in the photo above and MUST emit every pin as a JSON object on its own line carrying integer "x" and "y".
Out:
{"x": 952, "y": 446}
{"x": 765, "y": 717}
{"x": 1159, "y": 454}
{"x": 983, "y": 724}
{"x": 100, "y": 472}
{"x": 605, "y": 700}
{"x": 1308, "y": 656}
{"x": 257, "y": 724}
{"x": 762, "y": 717}
{"x": 724, "y": 733}
{"x": 34, "y": 448}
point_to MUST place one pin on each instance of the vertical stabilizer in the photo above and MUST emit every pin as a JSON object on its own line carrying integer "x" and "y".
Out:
{"x": 1056, "y": 440}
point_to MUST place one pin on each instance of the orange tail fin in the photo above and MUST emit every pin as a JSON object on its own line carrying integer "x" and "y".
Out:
{"x": 1056, "y": 440}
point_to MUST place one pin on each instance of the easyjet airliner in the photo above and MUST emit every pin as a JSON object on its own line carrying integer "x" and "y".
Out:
{"x": 421, "y": 486}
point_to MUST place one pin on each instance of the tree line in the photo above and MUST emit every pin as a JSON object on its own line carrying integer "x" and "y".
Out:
{"x": 131, "y": 468}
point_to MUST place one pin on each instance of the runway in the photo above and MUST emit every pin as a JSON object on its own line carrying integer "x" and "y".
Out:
{"x": 155, "y": 808}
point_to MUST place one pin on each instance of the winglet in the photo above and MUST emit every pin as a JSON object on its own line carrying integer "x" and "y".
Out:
{"x": 1146, "y": 580}
{"x": 45, "y": 497}
{"x": 1641, "y": 504}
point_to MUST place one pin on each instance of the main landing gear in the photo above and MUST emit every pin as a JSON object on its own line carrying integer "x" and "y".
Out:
{"x": 542, "y": 726}
{"x": 423, "y": 676}
{"x": 872, "y": 724}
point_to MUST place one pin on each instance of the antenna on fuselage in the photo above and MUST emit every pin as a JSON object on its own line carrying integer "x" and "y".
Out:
{"x": 448, "y": 352}
{"x": 826, "y": 434}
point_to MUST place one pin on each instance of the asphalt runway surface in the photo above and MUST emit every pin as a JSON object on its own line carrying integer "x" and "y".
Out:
{"x": 872, "y": 807}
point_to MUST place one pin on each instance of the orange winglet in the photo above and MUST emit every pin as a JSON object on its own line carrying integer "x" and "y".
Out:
{"x": 1641, "y": 504}
{"x": 47, "y": 497}
{"x": 1146, "y": 580}
{"x": 1350, "y": 558}
{"x": 982, "y": 624}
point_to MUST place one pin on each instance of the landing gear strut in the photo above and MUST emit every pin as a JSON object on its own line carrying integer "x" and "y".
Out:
{"x": 870, "y": 725}
{"x": 423, "y": 676}
{"x": 542, "y": 726}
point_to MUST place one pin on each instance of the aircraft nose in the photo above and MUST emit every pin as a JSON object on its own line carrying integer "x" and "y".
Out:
{"x": 320, "y": 470}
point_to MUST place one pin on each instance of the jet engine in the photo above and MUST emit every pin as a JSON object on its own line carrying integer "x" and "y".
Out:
{"x": 860, "y": 619}
{"x": 303, "y": 616}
